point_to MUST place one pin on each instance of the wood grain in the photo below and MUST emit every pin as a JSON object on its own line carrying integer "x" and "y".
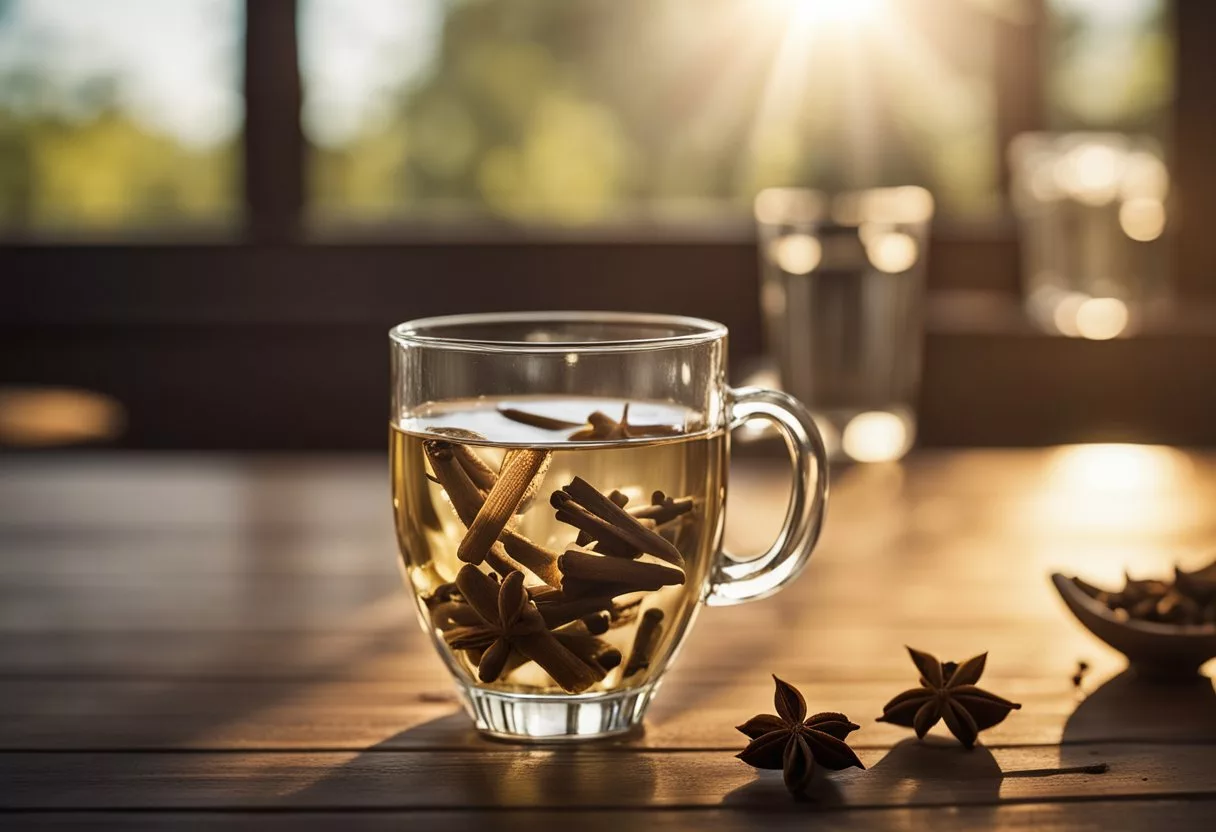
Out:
{"x": 789, "y": 817}
{"x": 424, "y": 714}
{"x": 232, "y": 634}
{"x": 912, "y": 773}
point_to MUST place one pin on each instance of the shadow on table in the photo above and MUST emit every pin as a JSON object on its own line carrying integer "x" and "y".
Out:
{"x": 1129, "y": 707}
{"x": 462, "y": 769}
{"x": 932, "y": 771}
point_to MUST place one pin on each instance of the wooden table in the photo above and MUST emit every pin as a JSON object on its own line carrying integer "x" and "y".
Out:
{"x": 224, "y": 642}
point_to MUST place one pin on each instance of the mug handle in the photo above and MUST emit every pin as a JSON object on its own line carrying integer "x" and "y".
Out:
{"x": 736, "y": 580}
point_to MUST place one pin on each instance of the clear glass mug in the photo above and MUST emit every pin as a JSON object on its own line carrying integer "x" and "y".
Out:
{"x": 559, "y": 485}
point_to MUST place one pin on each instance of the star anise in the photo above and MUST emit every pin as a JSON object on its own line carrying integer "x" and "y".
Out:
{"x": 795, "y": 743}
{"x": 947, "y": 692}
{"x": 510, "y": 621}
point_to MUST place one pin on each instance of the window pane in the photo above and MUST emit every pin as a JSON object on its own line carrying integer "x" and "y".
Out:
{"x": 119, "y": 115}
{"x": 1110, "y": 65}
{"x": 580, "y": 111}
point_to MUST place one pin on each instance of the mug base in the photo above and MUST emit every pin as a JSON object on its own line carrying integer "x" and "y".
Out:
{"x": 528, "y": 718}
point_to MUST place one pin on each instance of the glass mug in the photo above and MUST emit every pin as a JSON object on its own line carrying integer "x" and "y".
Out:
{"x": 559, "y": 483}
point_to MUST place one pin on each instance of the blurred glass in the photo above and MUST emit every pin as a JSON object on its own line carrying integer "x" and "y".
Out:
{"x": 119, "y": 115}
{"x": 1110, "y": 66}
{"x": 842, "y": 283}
{"x": 1093, "y": 214}
{"x": 583, "y": 111}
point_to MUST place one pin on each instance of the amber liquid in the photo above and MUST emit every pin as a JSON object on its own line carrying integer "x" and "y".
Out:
{"x": 430, "y": 530}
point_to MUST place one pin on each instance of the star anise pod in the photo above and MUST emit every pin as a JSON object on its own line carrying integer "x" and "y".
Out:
{"x": 510, "y": 621}
{"x": 947, "y": 692}
{"x": 795, "y": 743}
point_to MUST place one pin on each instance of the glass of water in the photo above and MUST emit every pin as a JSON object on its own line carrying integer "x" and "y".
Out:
{"x": 1092, "y": 210}
{"x": 842, "y": 286}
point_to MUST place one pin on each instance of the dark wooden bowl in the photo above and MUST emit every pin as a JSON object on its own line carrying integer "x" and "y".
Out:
{"x": 1153, "y": 649}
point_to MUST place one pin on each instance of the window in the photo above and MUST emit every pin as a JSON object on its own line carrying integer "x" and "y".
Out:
{"x": 579, "y": 111}
{"x": 593, "y": 117}
{"x": 120, "y": 115}
{"x": 1110, "y": 66}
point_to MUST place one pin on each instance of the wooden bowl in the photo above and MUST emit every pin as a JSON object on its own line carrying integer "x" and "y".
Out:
{"x": 1153, "y": 649}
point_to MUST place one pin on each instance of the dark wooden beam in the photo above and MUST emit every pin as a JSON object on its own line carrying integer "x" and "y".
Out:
{"x": 1194, "y": 151}
{"x": 274, "y": 141}
{"x": 200, "y": 346}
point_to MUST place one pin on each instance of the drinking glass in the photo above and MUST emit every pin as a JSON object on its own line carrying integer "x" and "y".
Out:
{"x": 842, "y": 287}
{"x": 1092, "y": 209}
{"x": 559, "y": 483}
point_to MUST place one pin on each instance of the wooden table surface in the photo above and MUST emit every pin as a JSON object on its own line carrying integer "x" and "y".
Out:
{"x": 224, "y": 642}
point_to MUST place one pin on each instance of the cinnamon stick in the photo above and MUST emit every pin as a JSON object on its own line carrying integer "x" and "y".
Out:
{"x": 541, "y": 561}
{"x": 537, "y": 479}
{"x": 596, "y": 653}
{"x": 592, "y": 528}
{"x": 536, "y": 420}
{"x": 571, "y": 609}
{"x": 563, "y": 666}
{"x": 544, "y": 594}
{"x": 662, "y": 509}
{"x": 513, "y": 482}
{"x": 623, "y": 526}
{"x": 482, "y": 475}
{"x": 603, "y": 427}
{"x": 502, "y": 563}
{"x": 597, "y": 623}
{"x": 645, "y": 641}
{"x": 625, "y": 612}
{"x": 516, "y": 551}
{"x": 630, "y": 575}
{"x": 464, "y": 495}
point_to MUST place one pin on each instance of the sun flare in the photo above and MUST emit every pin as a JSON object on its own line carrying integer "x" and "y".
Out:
{"x": 825, "y": 11}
